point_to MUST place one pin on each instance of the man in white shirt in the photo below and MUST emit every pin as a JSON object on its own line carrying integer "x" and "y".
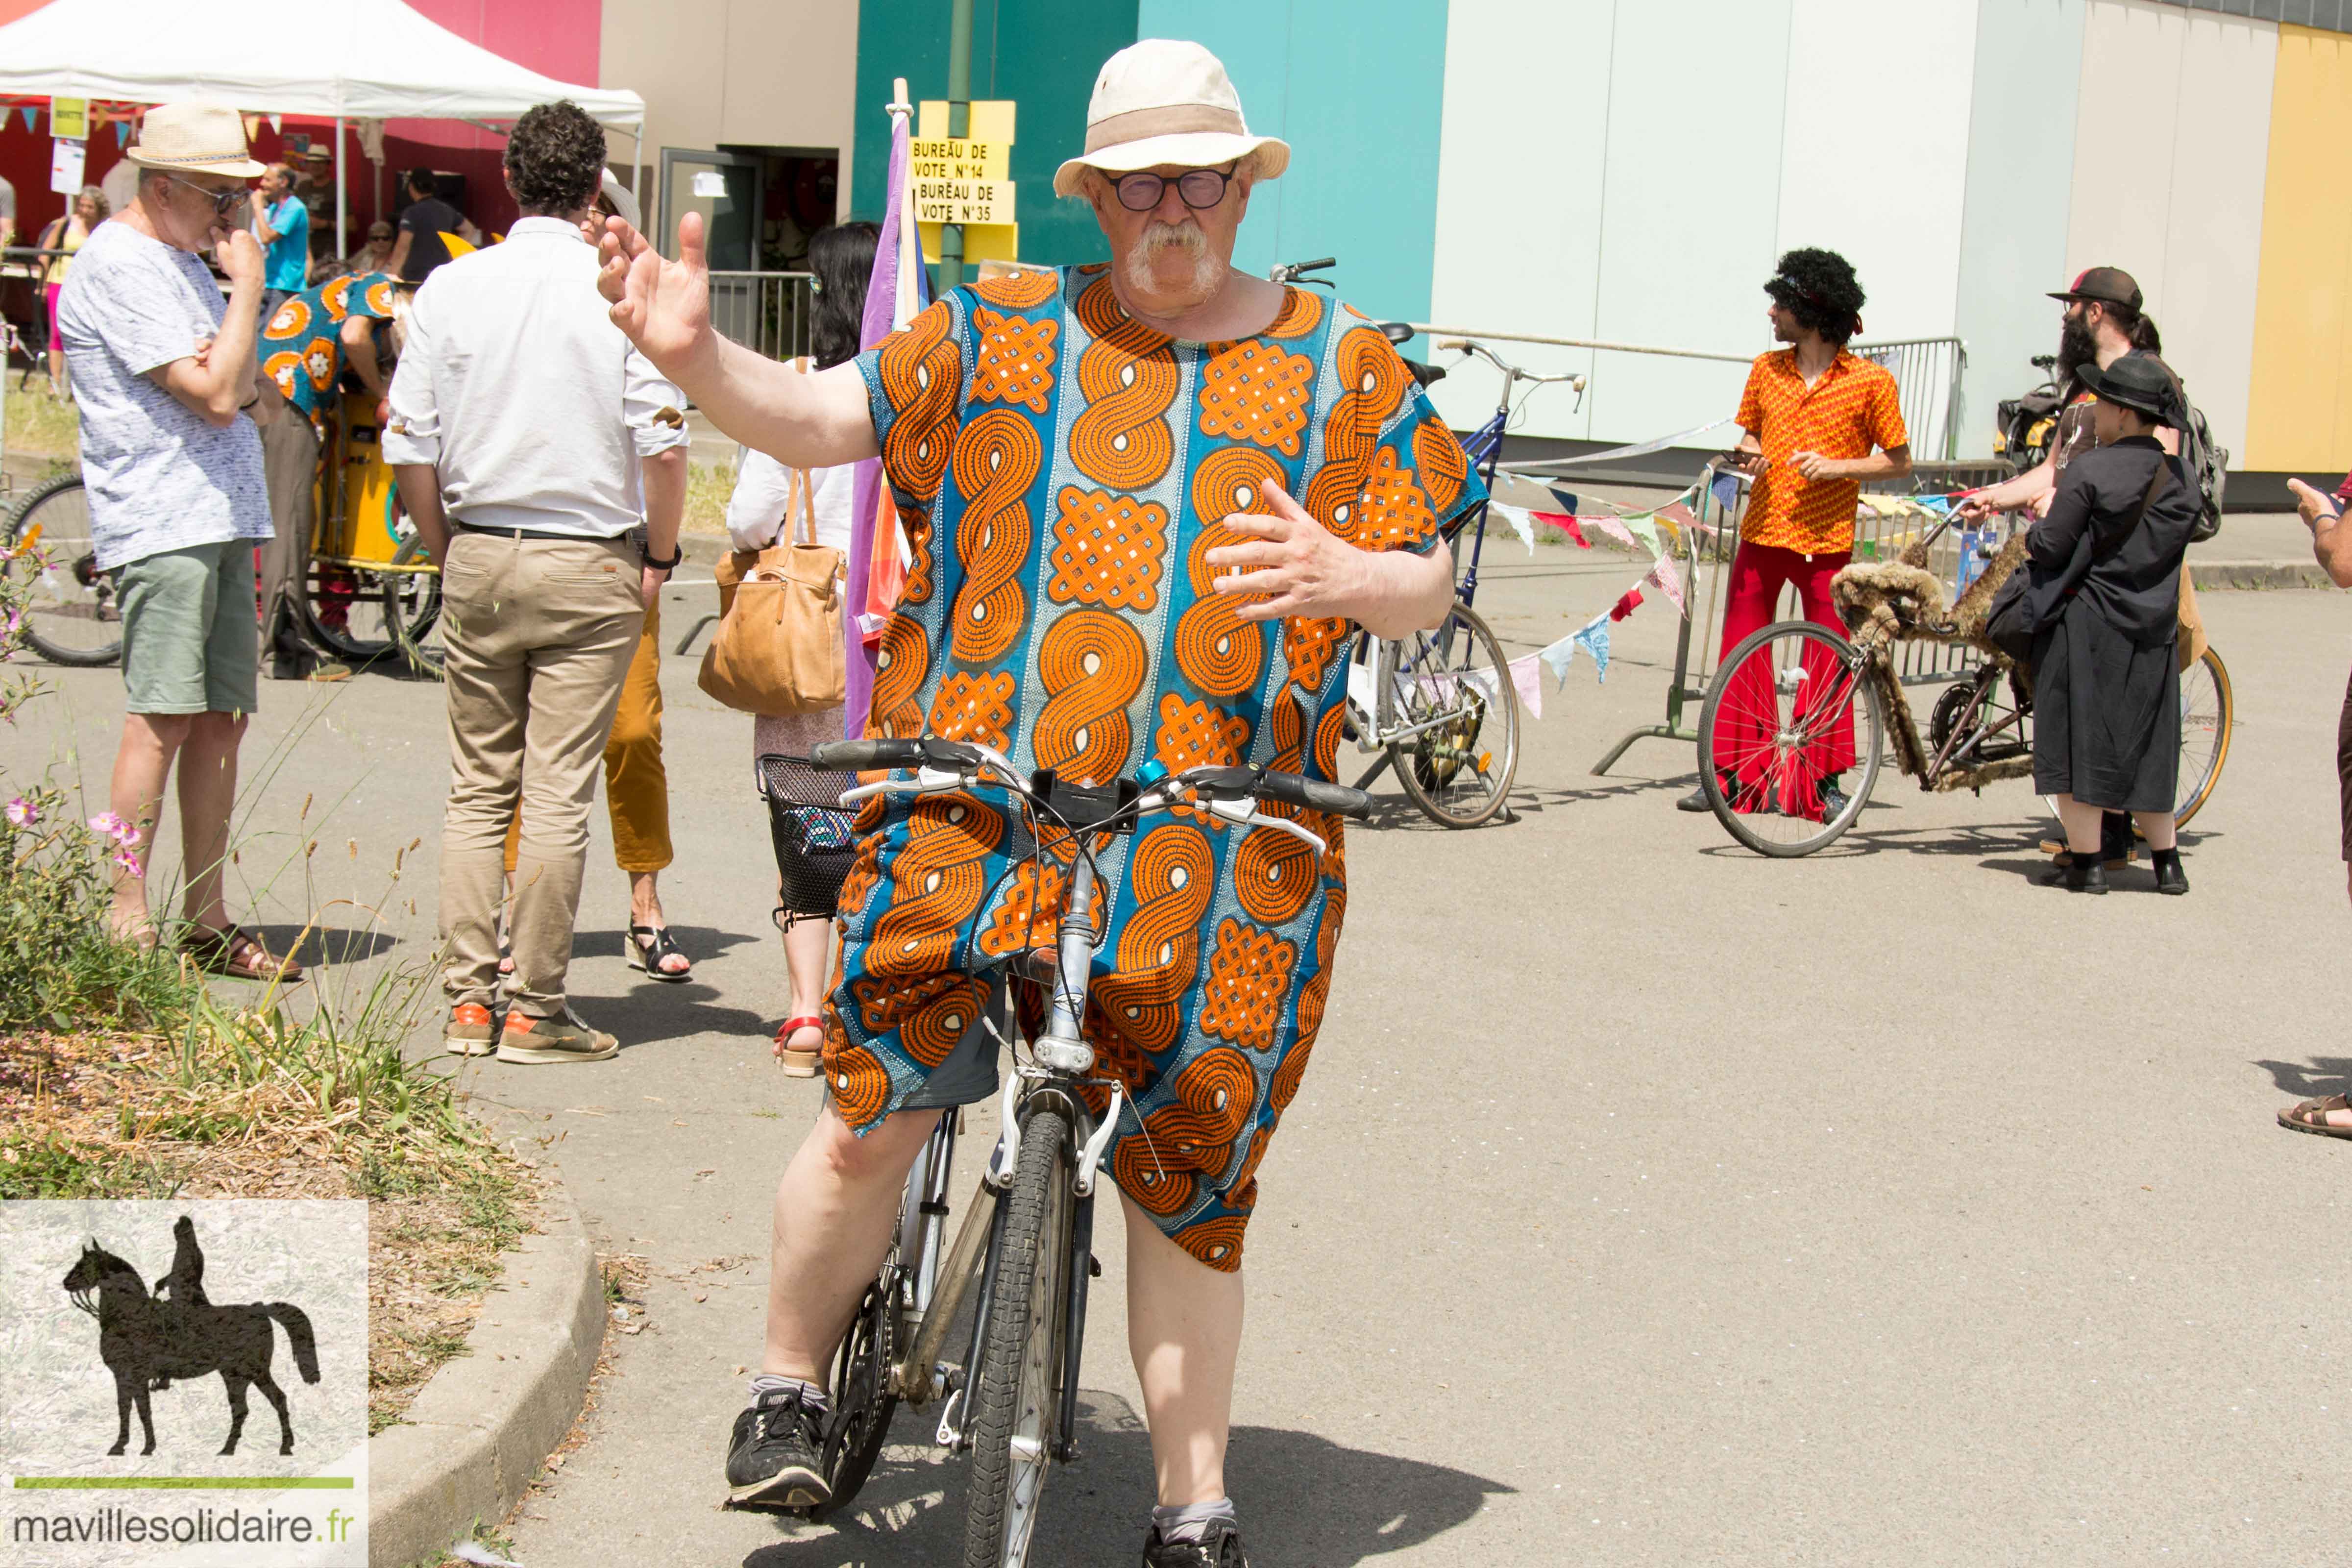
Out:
{"x": 528, "y": 437}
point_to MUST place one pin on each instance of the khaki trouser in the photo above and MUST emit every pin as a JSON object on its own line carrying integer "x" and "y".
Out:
{"x": 637, "y": 790}
{"x": 289, "y": 466}
{"x": 540, "y": 635}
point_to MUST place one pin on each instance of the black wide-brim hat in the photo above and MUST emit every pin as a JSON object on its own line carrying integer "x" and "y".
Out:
{"x": 2136, "y": 381}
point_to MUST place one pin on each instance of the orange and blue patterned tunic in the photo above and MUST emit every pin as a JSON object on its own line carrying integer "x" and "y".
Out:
{"x": 302, "y": 345}
{"x": 1061, "y": 471}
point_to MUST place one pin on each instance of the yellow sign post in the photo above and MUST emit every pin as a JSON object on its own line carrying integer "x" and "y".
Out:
{"x": 963, "y": 180}
{"x": 70, "y": 117}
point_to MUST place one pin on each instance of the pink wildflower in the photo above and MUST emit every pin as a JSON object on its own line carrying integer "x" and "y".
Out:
{"x": 23, "y": 813}
{"x": 129, "y": 862}
{"x": 114, "y": 828}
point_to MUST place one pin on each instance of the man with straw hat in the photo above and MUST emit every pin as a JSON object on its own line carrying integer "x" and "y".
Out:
{"x": 164, "y": 370}
{"x": 1150, "y": 502}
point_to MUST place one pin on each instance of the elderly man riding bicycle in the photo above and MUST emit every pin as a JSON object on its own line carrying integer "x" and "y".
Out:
{"x": 1148, "y": 503}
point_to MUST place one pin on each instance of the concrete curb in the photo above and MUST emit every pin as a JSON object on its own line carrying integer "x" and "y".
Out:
{"x": 2259, "y": 575}
{"x": 486, "y": 1422}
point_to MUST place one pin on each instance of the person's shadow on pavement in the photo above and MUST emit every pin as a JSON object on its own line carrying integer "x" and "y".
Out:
{"x": 1304, "y": 1500}
{"x": 2325, "y": 1076}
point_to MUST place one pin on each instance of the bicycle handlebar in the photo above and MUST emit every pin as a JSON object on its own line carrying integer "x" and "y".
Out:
{"x": 1213, "y": 783}
{"x": 1471, "y": 346}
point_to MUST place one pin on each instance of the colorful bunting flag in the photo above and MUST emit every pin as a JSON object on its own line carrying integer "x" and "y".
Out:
{"x": 1626, "y": 605}
{"x": 123, "y": 133}
{"x": 1726, "y": 491}
{"x": 1594, "y": 639}
{"x": 1526, "y": 676}
{"x": 1559, "y": 656}
{"x": 278, "y": 123}
{"x": 1516, "y": 516}
{"x": 1566, "y": 524}
{"x": 1567, "y": 498}
{"x": 1611, "y": 526}
{"x": 30, "y": 114}
{"x": 1663, "y": 577}
{"x": 1679, "y": 515}
{"x": 1645, "y": 528}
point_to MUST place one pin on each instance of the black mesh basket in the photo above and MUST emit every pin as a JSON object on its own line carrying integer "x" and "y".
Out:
{"x": 815, "y": 840}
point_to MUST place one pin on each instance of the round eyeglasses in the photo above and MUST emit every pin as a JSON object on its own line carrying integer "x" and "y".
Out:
{"x": 1200, "y": 189}
{"x": 222, "y": 201}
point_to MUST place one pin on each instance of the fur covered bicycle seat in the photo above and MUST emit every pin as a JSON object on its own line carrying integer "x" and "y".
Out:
{"x": 1893, "y": 601}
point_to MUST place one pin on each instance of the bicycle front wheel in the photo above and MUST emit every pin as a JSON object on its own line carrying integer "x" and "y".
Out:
{"x": 1015, "y": 1395}
{"x": 1452, "y": 689}
{"x": 72, "y": 614}
{"x": 1791, "y": 712}
{"x": 2207, "y": 712}
{"x": 412, "y": 610}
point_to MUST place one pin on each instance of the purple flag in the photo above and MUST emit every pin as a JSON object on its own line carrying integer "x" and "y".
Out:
{"x": 881, "y": 312}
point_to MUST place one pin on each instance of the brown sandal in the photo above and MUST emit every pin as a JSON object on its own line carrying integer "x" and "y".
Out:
{"x": 2311, "y": 1116}
{"x": 238, "y": 954}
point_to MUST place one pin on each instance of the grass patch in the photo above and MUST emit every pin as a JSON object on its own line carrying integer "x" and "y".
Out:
{"x": 40, "y": 426}
{"x": 708, "y": 486}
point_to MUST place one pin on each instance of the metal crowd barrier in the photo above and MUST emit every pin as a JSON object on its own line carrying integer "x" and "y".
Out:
{"x": 1927, "y": 372}
{"x": 1706, "y": 554}
{"x": 767, "y": 312}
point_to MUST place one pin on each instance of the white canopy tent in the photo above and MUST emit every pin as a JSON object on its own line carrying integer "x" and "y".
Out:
{"x": 338, "y": 59}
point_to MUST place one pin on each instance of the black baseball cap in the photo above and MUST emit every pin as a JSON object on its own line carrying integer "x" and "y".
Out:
{"x": 2107, "y": 285}
{"x": 2136, "y": 381}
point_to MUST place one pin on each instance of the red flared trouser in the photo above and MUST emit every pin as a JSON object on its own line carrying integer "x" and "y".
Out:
{"x": 1743, "y": 742}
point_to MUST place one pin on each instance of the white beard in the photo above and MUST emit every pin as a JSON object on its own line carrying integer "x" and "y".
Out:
{"x": 1208, "y": 273}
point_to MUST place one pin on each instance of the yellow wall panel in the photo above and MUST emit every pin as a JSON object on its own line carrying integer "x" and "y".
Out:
{"x": 2299, "y": 413}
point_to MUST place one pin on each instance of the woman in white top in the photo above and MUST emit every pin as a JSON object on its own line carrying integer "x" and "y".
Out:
{"x": 841, "y": 257}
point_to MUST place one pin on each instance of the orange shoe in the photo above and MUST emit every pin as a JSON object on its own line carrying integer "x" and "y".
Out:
{"x": 468, "y": 1031}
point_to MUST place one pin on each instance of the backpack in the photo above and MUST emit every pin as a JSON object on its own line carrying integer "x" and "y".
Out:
{"x": 2207, "y": 464}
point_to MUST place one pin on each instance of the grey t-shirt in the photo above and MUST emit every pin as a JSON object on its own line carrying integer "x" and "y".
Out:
{"x": 159, "y": 477}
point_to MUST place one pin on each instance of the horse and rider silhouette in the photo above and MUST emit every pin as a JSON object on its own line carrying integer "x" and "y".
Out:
{"x": 147, "y": 1341}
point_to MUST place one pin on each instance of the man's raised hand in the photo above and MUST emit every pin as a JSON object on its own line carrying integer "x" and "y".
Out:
{"x": 663, "y": 306}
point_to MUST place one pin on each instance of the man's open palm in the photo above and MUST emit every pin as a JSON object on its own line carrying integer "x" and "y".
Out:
{"x": 663, "y": 306}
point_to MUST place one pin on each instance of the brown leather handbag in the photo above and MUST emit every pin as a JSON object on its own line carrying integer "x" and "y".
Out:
{"x": 779, "y": 650}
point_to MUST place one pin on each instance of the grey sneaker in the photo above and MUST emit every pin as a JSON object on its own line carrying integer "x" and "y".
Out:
{"x": 467, "y": 1033}
{"x": 1220, "y": 1546}
{"x": 776, "y": 1456}
{"x": 536, "y": 1042}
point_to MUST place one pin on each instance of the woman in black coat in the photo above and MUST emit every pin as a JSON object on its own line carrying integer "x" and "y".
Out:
{"x": 2106, "y": 676}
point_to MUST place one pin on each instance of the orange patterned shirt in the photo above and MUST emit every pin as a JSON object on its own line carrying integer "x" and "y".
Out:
{"x": 1852, "y": 409}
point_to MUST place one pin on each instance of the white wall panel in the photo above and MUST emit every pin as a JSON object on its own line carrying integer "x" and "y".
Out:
{"x": 1875, "y": 153}
{"x": 1690, "y": 190}
{"x": 2176, "y": 199}
{"x": 2013, "y": 238}
{"x": 1519, "y": 191}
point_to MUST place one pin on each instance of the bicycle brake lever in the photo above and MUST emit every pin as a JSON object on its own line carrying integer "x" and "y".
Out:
{"x": 1306, "y": 835}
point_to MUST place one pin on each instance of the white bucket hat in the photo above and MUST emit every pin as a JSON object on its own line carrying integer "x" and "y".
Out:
{"x": 1164, "y": 101}
{"x": 194, "y": 137}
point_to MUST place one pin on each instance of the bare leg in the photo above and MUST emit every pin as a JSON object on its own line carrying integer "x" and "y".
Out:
{"x": 207, "y": 793}
{"x": 1185, "y": 1331}
{"x": 135, "y": 794}
{"x": 835, "y": 1209}
{"x": 2158, "y": 828}
{"x": 56, "y": 373}
{"x": 646, "y": 910}
{"x": 806, "y": 943}
{"x": 2082, "y": 824}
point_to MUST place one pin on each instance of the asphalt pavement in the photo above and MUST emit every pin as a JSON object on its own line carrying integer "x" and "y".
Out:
{"x": 1647, "y": 1202}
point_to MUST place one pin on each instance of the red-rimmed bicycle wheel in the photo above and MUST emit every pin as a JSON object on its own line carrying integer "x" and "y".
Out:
{"x": 1790, "y": 712}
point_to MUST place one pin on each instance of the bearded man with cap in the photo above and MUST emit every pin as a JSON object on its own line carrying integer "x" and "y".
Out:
{"x": 1083, "y": 460}
{"x": 165, "y": 370}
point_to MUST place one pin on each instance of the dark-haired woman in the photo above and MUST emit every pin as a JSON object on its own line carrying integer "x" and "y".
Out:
{"x": 2107, "y": 563}
{"x": 841, "y": 257}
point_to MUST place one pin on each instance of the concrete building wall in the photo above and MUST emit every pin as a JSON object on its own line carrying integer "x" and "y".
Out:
{"x": 2300, "y": 398}
{"x": 713, "y": 73}
{"x": 2183, "y": 215}
{"x": 2020, "y": 157}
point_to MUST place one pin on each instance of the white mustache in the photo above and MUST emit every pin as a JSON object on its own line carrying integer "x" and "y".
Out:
{"x": 1181, "y": 236}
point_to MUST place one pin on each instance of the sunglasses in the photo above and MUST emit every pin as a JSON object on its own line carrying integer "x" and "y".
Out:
{"x": 1200, "y": 189}
{"x": 222, "y": 200}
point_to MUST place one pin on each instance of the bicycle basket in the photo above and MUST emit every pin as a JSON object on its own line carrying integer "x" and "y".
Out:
{"x": 815, "y": 840}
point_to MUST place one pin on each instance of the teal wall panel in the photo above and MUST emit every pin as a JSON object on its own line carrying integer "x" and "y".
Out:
{"x": 1042, "y": 54}
{"x": 2014, "y": 218}
{"x": 1355, "y": 87}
